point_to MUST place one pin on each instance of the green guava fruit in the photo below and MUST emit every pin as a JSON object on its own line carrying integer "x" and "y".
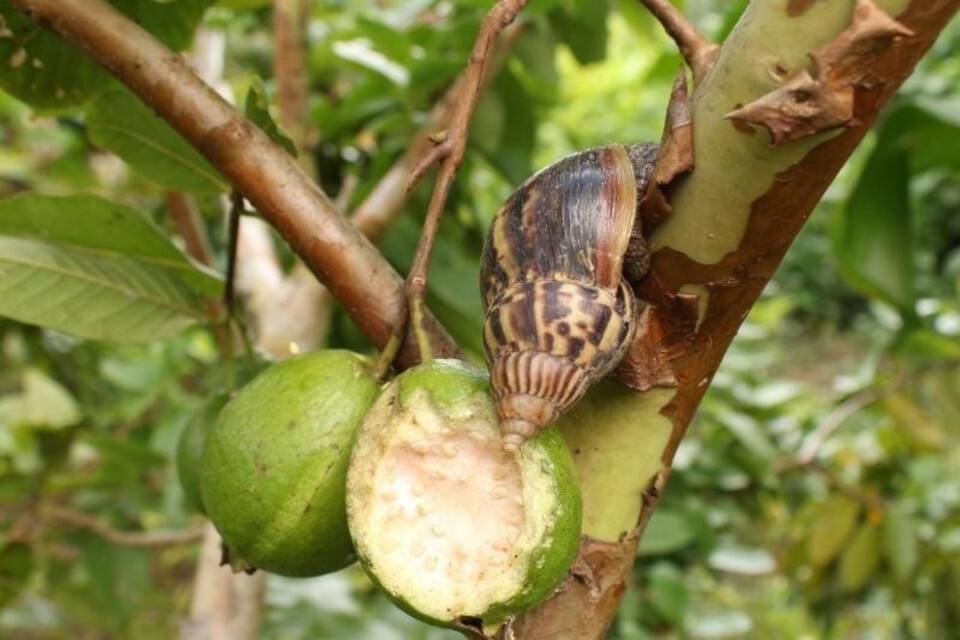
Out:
{"x": 273, "y": 472}
{"x": 453, "y": 526}
{"x": 190, "y": 447}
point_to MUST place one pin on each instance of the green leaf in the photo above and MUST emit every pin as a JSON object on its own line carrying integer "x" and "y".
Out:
{"x": 116, "y": 577}
{"x": 45, "y": 403}
{"x": 93, "y": 268}
{"x": 901, "y": 541}
{"x": 510, "y": 149}
{"x": 258, "y": 110}
{"x": 536, "y": 51}
{"x": 243, "y": 5}
{"x": 16, "y": 563}
{"x": 930, "y": 129}
{"x": 638, "y": 18}
{"x": 667, "y": 532}
{"x": 100, "y": 297}
{"x": 583, "y": 27}
{"x": 921, "y": 342}
{"x": 171, "y": 21}
{"x": 748, "y": 431}
{"x": 833, "y": 522}
{"x": 860, "y": 559}
{"x": 40, "y": 68}
{"x": 102, "y": 226}
{"x": 668, "y": 592}
{"x": 745, "y": 561}
{"x": 120, "y": 122}
{"x": 873, "y": 233}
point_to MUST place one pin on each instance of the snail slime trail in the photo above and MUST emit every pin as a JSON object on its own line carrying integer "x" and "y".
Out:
{"x": 445, "y": 518}
{"x": 559, "y": 312}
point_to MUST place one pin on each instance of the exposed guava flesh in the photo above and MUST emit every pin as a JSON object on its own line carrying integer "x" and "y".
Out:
{"x": 448, "y": 520}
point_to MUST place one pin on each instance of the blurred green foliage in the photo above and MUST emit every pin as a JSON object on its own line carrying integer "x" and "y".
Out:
{"x": 817, "y": 495}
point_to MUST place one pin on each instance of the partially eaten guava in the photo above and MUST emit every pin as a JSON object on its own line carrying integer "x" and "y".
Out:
{"x": 453, "y": 526}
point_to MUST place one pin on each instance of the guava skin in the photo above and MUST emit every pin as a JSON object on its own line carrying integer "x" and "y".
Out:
{"x": 273, "y": 471}
{"x": 450, "y": 386}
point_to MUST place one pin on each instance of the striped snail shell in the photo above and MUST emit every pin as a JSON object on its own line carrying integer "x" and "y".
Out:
{"x": 559, "y": 313}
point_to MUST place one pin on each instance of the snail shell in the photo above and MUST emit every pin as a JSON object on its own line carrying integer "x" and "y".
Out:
{"x": 559, "y": 314}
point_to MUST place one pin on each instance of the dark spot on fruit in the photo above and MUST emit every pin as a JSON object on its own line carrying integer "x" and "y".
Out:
{"x": 563, "y": 328}
{"x": 470, "y": 621}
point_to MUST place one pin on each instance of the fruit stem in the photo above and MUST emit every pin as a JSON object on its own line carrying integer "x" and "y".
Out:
{"x": 417, "y": 307}
{"x": 389, "y": 352}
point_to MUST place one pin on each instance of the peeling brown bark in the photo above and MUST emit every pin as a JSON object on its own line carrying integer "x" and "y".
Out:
{"x": 738, "y": 279}
{"x": 823, "y": 99}
{"x": 369, "y": 289}
{"x": 599, "y": 578}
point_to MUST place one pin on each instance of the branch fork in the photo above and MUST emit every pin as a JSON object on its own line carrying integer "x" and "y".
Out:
{"x": 698, "y": 52}
{"x": 449, "y": 155}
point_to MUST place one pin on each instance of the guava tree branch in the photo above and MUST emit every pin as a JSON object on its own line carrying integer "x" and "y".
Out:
{"x": 370, "y": 290}
{"x": 144, "y": 539}
{"x": 758, "y": 176}
{"x": 290, "y": 19}
{"x": 225, "y": 606}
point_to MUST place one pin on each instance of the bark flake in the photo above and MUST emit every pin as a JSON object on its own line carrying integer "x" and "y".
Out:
{"x": 822, "y": 98}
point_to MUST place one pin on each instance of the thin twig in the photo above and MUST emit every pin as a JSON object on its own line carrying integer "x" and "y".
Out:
{"x": 698, "y": 52}
{"x": 290, "y": 18}
{"x": 439, "y": 151}
{"x": 233, "y": 233}
{"x": 389, "y": 196}
{"x": 183, "y": 211}
{"x": 186, "y": 218}
{"x": 833, "y": 421}
{"x": 146, "y": 539}
{"x": 451, "y": 150}
{"x": 347, "y": 188}
{"x": 827, "y": 427}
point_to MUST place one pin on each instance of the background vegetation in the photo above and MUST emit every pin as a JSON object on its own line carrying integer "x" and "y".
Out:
{"x": 817, "y": 495}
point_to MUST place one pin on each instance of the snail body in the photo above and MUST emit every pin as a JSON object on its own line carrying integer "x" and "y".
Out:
{"x": 559, "y": 312}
